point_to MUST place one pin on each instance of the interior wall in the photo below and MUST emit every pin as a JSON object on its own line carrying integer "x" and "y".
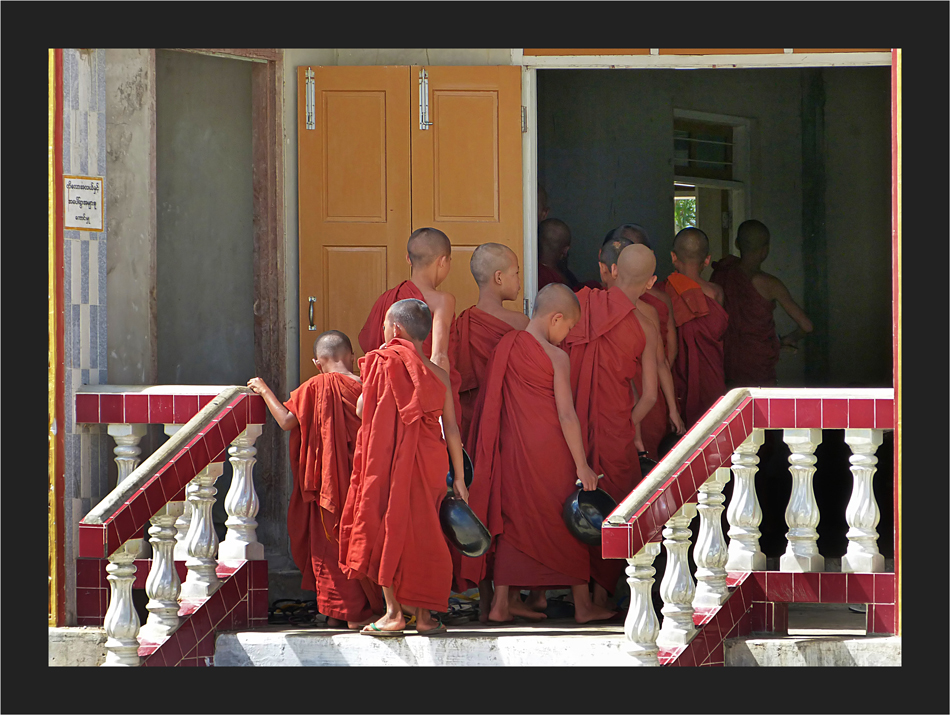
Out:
{"x": 205, "y": 205}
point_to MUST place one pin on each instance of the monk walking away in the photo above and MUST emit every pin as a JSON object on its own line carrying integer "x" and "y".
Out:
{"x": 321, "y": 418}
{"x": 429, "y": 254}
{"x": 701, "y": 322}
{"x": 390, "y": 531}
{"x": 612, "y": 346}
{"x": 752, "y": 346}
{"x": 530, "y": 453}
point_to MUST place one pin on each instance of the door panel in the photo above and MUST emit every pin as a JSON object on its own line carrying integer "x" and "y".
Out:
{"x": 466, "y": 167}
{"x": 354, "y": 205}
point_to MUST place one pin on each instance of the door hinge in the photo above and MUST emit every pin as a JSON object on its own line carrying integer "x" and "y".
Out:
{"x": 527, "y": 306}
{"x": 311, "y": 100}
{"x": 524, "y": 120}
{"x": 424, "y": 122}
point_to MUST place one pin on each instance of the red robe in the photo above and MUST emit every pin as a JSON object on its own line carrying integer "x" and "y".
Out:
{"x": 371, "y": 336}
{"x": 701, "y": 322}
{"x": 654, "y": 427}
{"x": 751, "y": 346}
{"x": 321, "y": 459}
{"x": 476, "y": 334}
{"x": 390, "y": 531}
{"x": 522, "y": 454}
{"x": 605, "y": 349}
{"x": 547, "y": 275}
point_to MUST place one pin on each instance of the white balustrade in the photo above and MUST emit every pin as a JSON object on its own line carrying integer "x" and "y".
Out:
{"x": 163, "y": 585}
{"x": 677, "y": 587}
{"x": 863, "y": 513}
{"x": 121, "y": 621}
{"x": 641, "y": 625}
{"x": 183, "y": 524}
{"x": 127, "y": 451}
{"x": 241, "y": 504}
{"x": 710, "y": 552}
{"x": 802, "y": 513}
{"x": 202, "y": 541}
{"x": 744, "y": 513}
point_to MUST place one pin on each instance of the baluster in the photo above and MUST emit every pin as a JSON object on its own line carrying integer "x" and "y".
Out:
{"x": 641, "y": 625}
{"x": 710, "y": 552}
{"x": 744, "y": 513}
{"x": 863, "y": 513}
{"x": 241, "y": 504}
{"x": 202, "y": 540}
{"x": 677, "y": 587}
{"x": 802, "y": 513}
{"x": 127, "y": 451}
{"x": 163, "y": 585}
{"x": 121, "y": 620}
{"x": 183, "y": 524}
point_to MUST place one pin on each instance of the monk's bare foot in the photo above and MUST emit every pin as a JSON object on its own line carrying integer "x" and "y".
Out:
{"x": 388, "y": 623}
{"x": 600, "y": 596}
{"x": 425, "y": 622}
{"x": 336, "y": 622}
{"x": 537, "y": 600}
{"x": 521, "y": 610}
{"x": 585, "y": 613}
{"x": 354, "y": 625}
{"x": 499, "y": 612}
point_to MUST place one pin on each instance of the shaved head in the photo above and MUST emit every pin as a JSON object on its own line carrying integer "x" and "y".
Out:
{"x": 691, "y": 245}
{"x": 611, "y": 249}
{"x": 633, "y": 232}
{"x": 553, "y": 235}
{"x": 413, "y": 316}
{"x": 636, "y": 265}
{"x": 488, "y": 258}
{"x": 752, "y": 235}
{"x": 556, "y": 298}
{"x": 332, "y": 345}
{"x": 427, "y": 245}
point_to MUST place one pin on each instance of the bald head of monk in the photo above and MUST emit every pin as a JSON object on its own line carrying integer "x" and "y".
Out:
{"x": 495, "y": 267}
{"x": 554, "y": 241}
{"x": 633, "y": 232}
{"x": 690, "y": 248}
{"x": 556, "y": 311}
{"x": 636, "y": 268}
{"x": 410, "y": 319}
{"x": 332, "y": 348}
{"x": 429, "y": 249}
{"x": 607, "y": 260}
{"x": 752, "y": 239}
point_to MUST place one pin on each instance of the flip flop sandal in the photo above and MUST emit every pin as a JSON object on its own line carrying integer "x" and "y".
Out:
{"x": 377, "y": 632}
{"x": 439, "y": 630}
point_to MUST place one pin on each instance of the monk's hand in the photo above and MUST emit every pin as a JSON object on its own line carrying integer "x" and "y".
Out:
{"x": 461, "y": 491}
{"x": 587, "y": 478}
{"x": 679, "y": 427}
{"x": 638, "y": 443}
{"x": 258, "y": 385}
{"x": 787, "y": 343}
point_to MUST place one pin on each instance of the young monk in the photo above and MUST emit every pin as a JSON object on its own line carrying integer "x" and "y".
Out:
{"x": 390, "y": 531}
{"x": 530, "y": 451}
{"x": 701, "y": 323}
{"x": 429, "y": 254}
{"x": 751, "y": 349}
{"x": 321, "y": 418}
{"x": 664, "y": 417}
{"x": 609, "y": 346}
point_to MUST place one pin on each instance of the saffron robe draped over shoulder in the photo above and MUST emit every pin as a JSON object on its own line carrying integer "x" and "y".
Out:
{"x": 605, "y": 347}
{"x": 698, "y": 374}
{"x": 476, "y": 335}
{"x": 751, "y": 345}
{"x": 321, "y": 459}
{"x": 371, "y": 336}
{"x": 654, "y": 427}
{"x": 524, "y": 472}
{"x": 390, "y": 531}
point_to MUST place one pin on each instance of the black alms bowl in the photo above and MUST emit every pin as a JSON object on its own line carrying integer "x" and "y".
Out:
{"x": 464, "y": 530}
{"x": 667, "y": 443}
{"x": 469, "y": 472}
{"x": 646, "y": 465}
{"x": 584, "y": 514}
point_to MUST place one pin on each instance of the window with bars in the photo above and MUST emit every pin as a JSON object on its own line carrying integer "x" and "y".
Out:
{"x": 702, "y": 149}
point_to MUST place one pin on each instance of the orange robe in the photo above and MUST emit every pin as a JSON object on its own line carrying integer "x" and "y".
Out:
{"x": 655, "y": 425}
{"x": 321, "y": 459}
{"x": 371, "y": 336}
{"x": 390, "y": 531}
{"x": 698, "y": 373}
{"x": 751, "y": 345}
{"x": 521, "y": 453}
{"x": 605, "y": 348}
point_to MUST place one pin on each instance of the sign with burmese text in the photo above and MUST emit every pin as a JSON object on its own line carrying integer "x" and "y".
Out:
{"x": 83, "y": 199}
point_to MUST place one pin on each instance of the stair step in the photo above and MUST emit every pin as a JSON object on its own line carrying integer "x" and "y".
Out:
{"x": 810, "y": 651}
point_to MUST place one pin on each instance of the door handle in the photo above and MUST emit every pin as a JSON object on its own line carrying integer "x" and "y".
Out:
{"x": 312, "y": 300}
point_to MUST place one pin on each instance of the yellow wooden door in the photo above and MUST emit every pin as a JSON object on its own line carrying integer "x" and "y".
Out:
{"x": 360, "y": 195}
{"x": 354, "y": 205}
{"x": 466, "y": 166}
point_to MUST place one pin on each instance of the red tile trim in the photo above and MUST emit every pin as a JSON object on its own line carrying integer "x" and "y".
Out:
{"x": 760, "y": 413}
{"x": 781, "y": 413}
{"x": 833, "y": 587}
{"x": 257, "y": 410}
{"x": 615, "y": 543}
{"x": 807, "y": 413}
{"x": 884, "y": 588}
{"x": 860, "y": 414}
{"x": 884, "y": 414}
{"x": 860, "y": 588}
{"x": 136, "y": 409}
{"x": 185, "y": 407}
{"x": 91, "y": 541}
{"x": 161, "y": 409}
{"x": 834, "y": 413}
{"x": 112, "y": 409}
{"x": 87, "y": 408}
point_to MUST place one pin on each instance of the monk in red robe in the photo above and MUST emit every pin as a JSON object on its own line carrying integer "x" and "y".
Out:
{"x": 530, "y": 452}
{"x": 701, "y": 322}
{"x": 390, "y": 530}
{"x": 429, "y": 254}
{"x": 609, "y": 346}
{"x": 554, "y": 245}
{"x": 654, "y": 304}
{"x": 321, "y": 418}
{"x": 751, "y": 349}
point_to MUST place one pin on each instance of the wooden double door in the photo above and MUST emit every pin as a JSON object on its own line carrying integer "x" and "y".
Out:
{"x": 370, "y": 172}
